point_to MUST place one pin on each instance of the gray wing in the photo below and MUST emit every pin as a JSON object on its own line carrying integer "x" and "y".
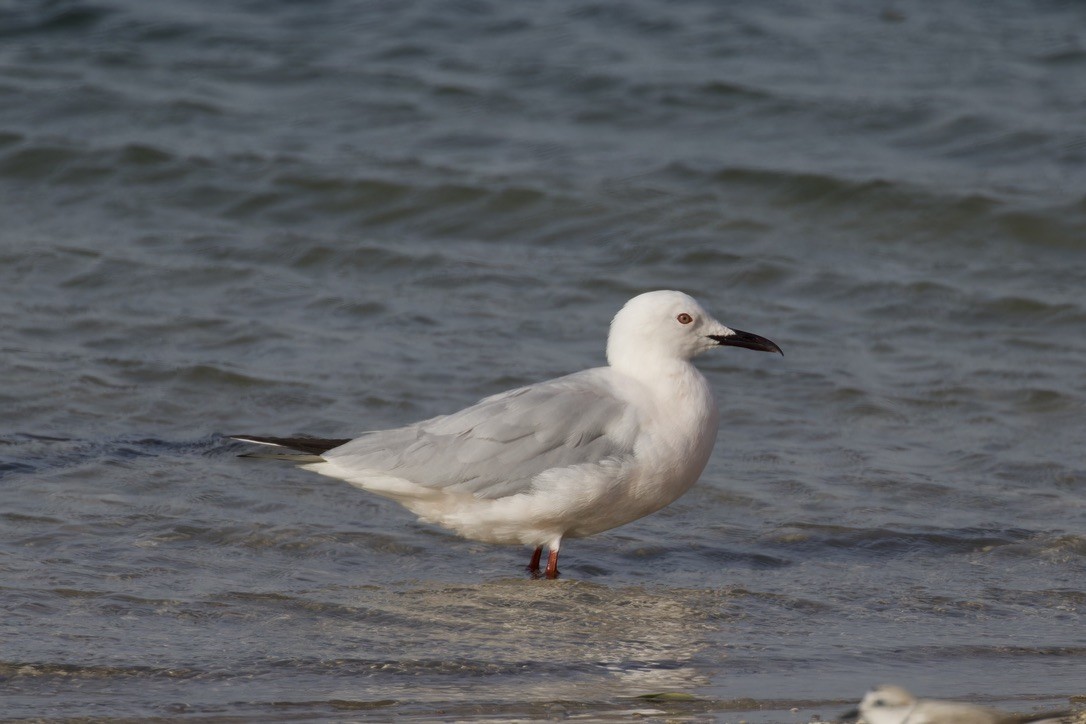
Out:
{"x": 498, "y": 445}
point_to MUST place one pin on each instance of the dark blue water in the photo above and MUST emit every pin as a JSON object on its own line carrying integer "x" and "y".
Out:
{"x": 328, "y": 217}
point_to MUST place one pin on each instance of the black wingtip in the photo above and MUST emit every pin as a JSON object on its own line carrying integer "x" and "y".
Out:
{"x": 302, "y": 443}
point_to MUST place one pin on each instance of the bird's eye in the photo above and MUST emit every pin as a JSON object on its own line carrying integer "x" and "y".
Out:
{"x": 685, "y": 318}
{"x": 878, "y": 702}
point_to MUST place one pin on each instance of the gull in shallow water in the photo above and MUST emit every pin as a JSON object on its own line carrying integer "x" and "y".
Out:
{"x": 893, "y": 705}
{"x": 565, "y": 458}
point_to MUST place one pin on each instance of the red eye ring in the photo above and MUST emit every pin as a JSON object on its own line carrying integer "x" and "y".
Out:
{"x": 684, "y": 318}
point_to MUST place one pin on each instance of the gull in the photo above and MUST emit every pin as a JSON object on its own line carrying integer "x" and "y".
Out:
{"x": 888, "y": 704}
{"x": 565, "y": 458}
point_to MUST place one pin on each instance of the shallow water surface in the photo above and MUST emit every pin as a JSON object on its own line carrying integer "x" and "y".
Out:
{"x": 278, "y": 218}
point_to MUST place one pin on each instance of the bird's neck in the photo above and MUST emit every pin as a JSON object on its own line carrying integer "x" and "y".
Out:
{"x": 670, "y": 381}
{"x": 679, "y": 419}
{"x": 655, "y": 371}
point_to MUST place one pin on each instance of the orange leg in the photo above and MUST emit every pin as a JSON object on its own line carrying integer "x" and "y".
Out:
{"x": 533, "y": 565}
{"x": 552, "y": 565}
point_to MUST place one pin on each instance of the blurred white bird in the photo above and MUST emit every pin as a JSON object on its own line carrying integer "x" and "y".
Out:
{"x": 893, "y": 705}
{"x": 565, "y": 458}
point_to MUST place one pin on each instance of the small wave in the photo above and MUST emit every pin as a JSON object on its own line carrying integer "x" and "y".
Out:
{"x": 32, "y": 453}
{"x": 803, "y": 187}
{"x": 931, "y": 213}
{"x": 17, "y": 669}
{"x": 45, "y": 18}
{"x": 1060, "y": 547}
{"x": 715, "y": 556}
{"x": 1056, "y": 226}
{"x": 337, "y": 704}
{"x": 979, "y": 652}
{"x": 813, "y": 539}
{"x": 714, "y": 94}
{"x": 76, "y": 165}
{"x": 37, "y": 162}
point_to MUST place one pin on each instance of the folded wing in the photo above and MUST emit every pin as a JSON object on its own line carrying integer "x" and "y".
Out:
{"x": 499, "y": 445}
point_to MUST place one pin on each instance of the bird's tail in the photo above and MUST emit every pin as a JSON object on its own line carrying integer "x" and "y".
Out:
{"x": 308, "y": 449}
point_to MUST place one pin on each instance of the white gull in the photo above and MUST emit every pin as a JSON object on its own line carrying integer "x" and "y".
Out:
{"x": 889, "y": 704}
{"x": 565, "y": 458}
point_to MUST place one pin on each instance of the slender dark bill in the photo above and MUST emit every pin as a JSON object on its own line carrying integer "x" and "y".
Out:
{"x": 747, "y": 341}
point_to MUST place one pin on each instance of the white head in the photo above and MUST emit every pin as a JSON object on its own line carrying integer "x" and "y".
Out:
{"x": 667, "y": 325}
{"x": 887, "y": 704}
